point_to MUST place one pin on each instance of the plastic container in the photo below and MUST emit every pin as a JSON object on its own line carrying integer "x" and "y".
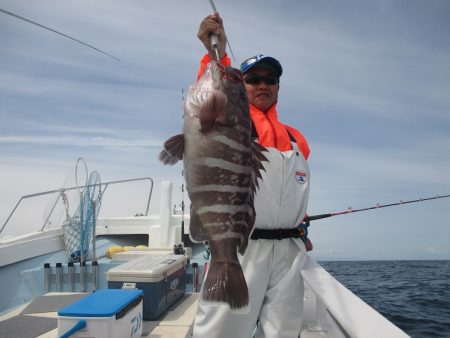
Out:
{"x": 106, "y": 313}
{"x": 160, "y": 277}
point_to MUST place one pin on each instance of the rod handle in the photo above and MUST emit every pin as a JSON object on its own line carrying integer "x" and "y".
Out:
{"x": 214, "y": 40}
{"x": 314, "y": 217}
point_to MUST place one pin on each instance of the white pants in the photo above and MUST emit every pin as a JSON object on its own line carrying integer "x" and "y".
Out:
{"x": 272, "y": 271}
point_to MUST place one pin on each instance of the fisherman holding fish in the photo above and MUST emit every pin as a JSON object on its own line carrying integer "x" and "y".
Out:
{"x": 248, "y": 182}
{"x": 275, "y": 254}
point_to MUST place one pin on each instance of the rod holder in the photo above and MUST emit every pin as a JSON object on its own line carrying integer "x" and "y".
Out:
{"x": 94, "y": 275}
{"x": 195, "y": 277}
{"x": 47, "y": 277}
{"x": 59, "y": 277}
{"x": 70, "y": 277}
{"x": 83, "y": 276}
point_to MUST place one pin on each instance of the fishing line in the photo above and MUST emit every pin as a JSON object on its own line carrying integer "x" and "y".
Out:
{"x": 55, "y": 31}
{"x": 376, "y": 206}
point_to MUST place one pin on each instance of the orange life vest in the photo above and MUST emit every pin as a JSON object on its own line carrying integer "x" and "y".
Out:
{"x": 273, "y": 133}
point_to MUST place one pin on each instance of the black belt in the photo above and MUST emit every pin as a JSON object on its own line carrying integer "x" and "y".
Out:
{"x": 275, "y": 233}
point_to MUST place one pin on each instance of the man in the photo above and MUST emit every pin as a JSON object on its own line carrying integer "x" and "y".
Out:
{"x": 275, "y": 254}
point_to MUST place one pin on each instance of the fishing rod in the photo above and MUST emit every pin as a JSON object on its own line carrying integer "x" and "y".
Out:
{"x": 376, "y": 206}
{"x": 215, "y": 40}
{"x": 55, "y": 31}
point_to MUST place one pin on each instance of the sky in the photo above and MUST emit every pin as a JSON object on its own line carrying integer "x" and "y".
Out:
{"x": 367, "y": 83}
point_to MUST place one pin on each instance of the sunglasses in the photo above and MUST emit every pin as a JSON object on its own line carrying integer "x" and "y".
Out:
{"x": 269, "y": 80}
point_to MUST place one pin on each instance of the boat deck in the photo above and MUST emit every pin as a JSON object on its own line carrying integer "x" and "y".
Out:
{"x": 25, "y": 322}
{"x": 39, "y": 319}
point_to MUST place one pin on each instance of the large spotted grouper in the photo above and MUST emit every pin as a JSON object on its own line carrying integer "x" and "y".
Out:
{"x": 222, "y": 165}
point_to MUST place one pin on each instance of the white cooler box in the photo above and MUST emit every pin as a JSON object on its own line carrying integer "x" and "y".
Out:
{"x": 103, "y": 314}
{"x": 160, "y": 276}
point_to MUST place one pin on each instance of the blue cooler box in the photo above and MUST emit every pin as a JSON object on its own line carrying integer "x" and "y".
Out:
{"x": 160, "y": 276}
{"x": 103, "y": 314}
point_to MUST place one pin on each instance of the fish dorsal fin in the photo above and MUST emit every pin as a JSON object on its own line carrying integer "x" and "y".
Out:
{"x": 173, "y": 150}
{"x": 257, "y": 158}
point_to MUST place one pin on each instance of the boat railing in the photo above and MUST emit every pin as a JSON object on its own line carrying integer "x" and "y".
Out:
{"x": 61, "y": 195}
{"x": 354, "y": 317}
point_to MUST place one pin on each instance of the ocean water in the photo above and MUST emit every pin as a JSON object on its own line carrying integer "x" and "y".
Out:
{"x": 414, "y": 295}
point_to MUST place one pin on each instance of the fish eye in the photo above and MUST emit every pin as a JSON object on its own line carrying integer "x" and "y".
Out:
{"x": 232, "y": 74}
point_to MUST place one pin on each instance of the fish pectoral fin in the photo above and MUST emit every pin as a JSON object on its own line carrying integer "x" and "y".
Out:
{"x": 211, "y": 109}
{"x": 196, "y": 230}
{"x": 173, "y": 150}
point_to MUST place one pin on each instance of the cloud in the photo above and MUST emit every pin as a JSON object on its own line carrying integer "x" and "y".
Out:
{"x": 421, "y": 164}
{"x": 433, "y": 250}
{"x": 80, "y": 141}
{"x": 366, "y": 83}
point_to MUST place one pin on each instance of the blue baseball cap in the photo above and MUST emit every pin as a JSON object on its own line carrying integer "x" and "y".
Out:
{"x": 261, "y": 60}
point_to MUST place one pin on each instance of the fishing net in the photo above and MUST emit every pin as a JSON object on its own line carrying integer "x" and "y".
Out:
{"x": 78, "y": 230}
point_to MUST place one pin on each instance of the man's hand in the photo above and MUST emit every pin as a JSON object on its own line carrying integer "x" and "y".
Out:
{"x": 213, "y": 24}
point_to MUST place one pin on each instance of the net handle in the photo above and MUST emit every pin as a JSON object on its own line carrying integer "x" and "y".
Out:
{"x": 81, "y": 188}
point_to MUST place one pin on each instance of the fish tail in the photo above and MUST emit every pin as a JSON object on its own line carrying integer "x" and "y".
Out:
{"x": 225, "y": 282}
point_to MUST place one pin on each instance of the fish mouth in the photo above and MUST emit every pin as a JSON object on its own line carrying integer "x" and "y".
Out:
{"x": 216, "y": 66}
